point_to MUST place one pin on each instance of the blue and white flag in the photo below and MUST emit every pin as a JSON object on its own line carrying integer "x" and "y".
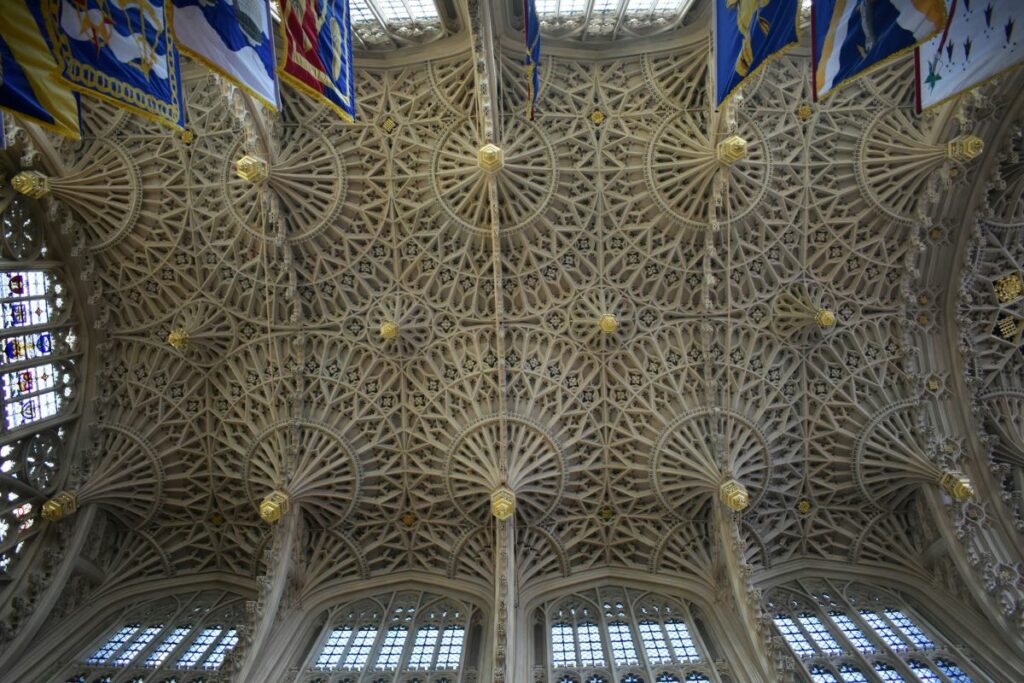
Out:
{"x": 981, "y": 41}
{"x": 30, "y": 84}
{"x": 748, "y": 34}
{"x": 119, "y": 51}
{"x": 531, "y": 30}
{"x": 232, "y": 37}
{"x": 852, "y": 37}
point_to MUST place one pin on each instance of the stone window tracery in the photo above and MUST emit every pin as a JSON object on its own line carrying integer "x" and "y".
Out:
{"x": 856, "y": 634}
{"x": 609, "y": 18}
{"x": 619, "y": 635}
{"x": 179, "y": 636}
{"x": 389, "y": 637}
{"x": 39, "y": 359}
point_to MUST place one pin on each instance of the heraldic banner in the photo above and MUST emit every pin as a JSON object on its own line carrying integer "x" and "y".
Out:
{"x": 317, "y": 38}
{"x": 120, "y": 51}
{"x": 852, "y": 37}
{"x": 532, "y": 33}
{"x": 748, "y": 33}
{"x": 234, "y": 38}
{"x": 981, "y": 41}
{"x": 30, "y": 83}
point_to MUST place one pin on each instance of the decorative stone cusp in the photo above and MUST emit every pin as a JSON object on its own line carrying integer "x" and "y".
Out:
{"x": 965, "y": 147}
{"x": 274, "y": 506}
{"x": 503, "y": 503}
{"x": 608, "y": 323}
{"x": 60, "y": 506}
{"x": 31, "y": 184}
{"x": 734, "y": 495}
{"x": 388, "y": 330}
{"x": 491, "y": 158}
{"x": 957, "y": 485}
{"x": 251, "y": 168}
{"x": 178, "y": 338}
{"x": 732, "y": 149}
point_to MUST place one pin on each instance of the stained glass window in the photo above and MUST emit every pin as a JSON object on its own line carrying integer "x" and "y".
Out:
{"x": 682, "y": 642}
{"x": 851, "y": 674}
{"x": 334, "y": 648}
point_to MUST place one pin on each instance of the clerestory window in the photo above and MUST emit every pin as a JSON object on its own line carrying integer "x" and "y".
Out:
{"x": 870, "y": 637}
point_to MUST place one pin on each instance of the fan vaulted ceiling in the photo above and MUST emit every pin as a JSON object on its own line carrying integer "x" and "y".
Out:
{"x": 613, "y": 202}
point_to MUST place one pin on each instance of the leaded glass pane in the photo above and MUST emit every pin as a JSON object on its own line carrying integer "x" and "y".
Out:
{"x": 449, "y": 652}
{"x": 225, "y": 646}
{"x": 137, "y": 646}
{"x": 334, "y": 648}
{"x": 852, "y": 632}
{"x": 359, "y": 651}
{"x": 911, "y": 630}
{"x": 794, "y": 636}
{"x": 655, "y": 647}
{"x": 591, "y": 649}
{"x": 820, "y": 674}
{"x": 199, "y": 647}
{"x": 113, "y": 644}
{"x": 682, "y": 642}
{"x": 923, "y": 672}
{"x": 621, "y": 641}
{"x": 826, "y": 643}
{"x": 851, "y": 674}
{"x": 563, "y": 645}
{"x": 391, "y": 649}
{"x": 887, "y": 673}
{"x": 952, "y": 671}
{"x": 883, "y": 630}
{"x": 423, "y": 648}
{"x": 159, "y": 655}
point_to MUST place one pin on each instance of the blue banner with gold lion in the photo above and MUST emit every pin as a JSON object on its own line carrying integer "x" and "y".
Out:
{"x": 748, "y": 34}
{"x": 119, "y": 51}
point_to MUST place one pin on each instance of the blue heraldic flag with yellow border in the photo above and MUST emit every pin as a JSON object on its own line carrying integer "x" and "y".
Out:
{"x": 317, "y": 38}
{"x": 119, "y": 51}
{"x": 853, "y": 37}
{"x": 748, "y": 33}
{"x": 31, "y": 87}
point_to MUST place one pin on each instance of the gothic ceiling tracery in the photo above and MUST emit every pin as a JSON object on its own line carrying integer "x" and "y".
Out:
{"x": 610, "y": 203}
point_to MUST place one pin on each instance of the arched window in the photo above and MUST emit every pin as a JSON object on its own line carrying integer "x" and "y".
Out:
{"x": 623, "y": 636}
{"x": 392, "y": 636}
{"x": 852, "y": 633}
{"x": 180, "y": 636}
{"x": 39, "y": 360}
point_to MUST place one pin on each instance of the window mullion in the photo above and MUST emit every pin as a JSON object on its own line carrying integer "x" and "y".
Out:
{"x": 698, "y": 642}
